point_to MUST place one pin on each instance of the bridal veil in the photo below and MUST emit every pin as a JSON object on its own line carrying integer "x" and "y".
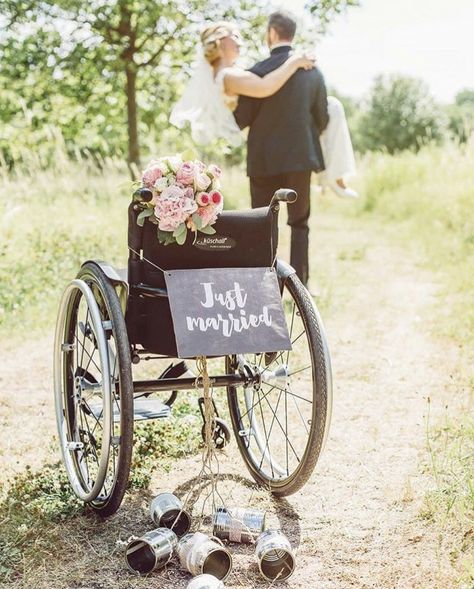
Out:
{"x": 203, "y": 106}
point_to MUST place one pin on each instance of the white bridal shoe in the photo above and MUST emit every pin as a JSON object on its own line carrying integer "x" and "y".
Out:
{"x": 343, "y": 192}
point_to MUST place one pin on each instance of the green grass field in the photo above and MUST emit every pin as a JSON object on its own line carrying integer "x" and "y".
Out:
{"x": 51, "y": 221}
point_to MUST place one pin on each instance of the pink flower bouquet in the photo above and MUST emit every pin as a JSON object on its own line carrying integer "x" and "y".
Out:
{"x": 185, "y": 197}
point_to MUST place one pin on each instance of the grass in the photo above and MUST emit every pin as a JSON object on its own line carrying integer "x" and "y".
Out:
{"x": 34, "y": 503}
{"x": 52, "y": 220}
{"x": 428, "y": 198}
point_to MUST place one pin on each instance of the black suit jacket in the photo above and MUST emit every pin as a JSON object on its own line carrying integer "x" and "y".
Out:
{"x": 285, "y": 127}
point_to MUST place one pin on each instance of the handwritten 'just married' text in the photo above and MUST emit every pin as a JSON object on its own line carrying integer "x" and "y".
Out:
{"x": 237, "y": 319}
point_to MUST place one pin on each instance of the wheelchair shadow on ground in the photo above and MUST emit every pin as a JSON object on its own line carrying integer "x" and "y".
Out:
{"x": 196, "y": 489}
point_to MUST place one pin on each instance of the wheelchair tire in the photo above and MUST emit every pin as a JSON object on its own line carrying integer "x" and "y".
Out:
{"x": 281, "y": 424}
{"x": 97, "y": 435}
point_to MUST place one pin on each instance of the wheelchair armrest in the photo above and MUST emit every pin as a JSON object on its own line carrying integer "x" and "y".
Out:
{"x": 283, "y": 195}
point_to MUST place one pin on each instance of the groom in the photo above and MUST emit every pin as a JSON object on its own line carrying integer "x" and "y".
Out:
{"x": 283, "y": 141}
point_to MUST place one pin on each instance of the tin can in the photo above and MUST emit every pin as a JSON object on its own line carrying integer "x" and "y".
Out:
{"x": 167, "y": 511}
{"x": 205, "y": 582}
{"x": 274, "y": 555}
{"x": 200, "y": 554}
{"x": 152, "y": 551}
{"x": 186, "y": 544}
{"x": 237, "y": 524}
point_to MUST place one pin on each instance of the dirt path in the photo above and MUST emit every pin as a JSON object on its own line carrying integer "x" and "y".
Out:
{"x": 357, "y": 522}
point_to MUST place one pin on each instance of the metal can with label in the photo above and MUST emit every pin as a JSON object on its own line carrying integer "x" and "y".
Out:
{"x": 237, "y": 524}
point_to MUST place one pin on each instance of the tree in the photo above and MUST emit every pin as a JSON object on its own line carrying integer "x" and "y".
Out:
{"x": 85, "y": 63}
{"x": 401, "y": 114}
{"x": 326, "y": 10}
{"x": 461, "y": 115}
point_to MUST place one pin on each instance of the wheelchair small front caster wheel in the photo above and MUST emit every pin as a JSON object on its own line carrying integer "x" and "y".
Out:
{"x": 220, "y": 433}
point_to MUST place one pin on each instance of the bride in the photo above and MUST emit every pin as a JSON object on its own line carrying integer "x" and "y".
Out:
{"x": 213, "y": 92}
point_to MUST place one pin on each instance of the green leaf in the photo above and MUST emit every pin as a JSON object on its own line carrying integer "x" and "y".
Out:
{"x": 143, "y": 215}
{"x": 208, "y": 230}
{"x": 197, "y": 220}
{"x": 169, "y": 238}
{"x": 180, "y": 229}
{"x": 162, "y": 235}
{"x": 181, "y": 238}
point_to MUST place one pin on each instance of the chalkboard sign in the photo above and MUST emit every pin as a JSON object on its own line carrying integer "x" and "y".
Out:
{"x": 219, "y": 311}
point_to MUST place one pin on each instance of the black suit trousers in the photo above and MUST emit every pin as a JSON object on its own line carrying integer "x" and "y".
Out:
{"x": 262, "y": 190}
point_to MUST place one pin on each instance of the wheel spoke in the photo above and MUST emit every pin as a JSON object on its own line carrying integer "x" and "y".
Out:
{"x": 299, "y": 370}
{"x": 289, "y": 392}
{"x": 242, "y": 415}
{"x": 265, "y": 430}
{"x": 270, "y": 432}
{"x": 281, "y": 427}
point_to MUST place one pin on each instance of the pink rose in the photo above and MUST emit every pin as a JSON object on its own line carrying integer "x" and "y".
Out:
{"x": 216, "y": 197}
{"x": 202, "y": 181}
{"x": 209, "y": 214}
{"x": 186, "y": 173}
{"x": 200, "y": 165}
{"x": 203, "y": 199}
{"x": 151, "y": 175}
{"x": 160, "y": 184}
{"x": 214, "y": 171}
{"x": 189, "y": 192}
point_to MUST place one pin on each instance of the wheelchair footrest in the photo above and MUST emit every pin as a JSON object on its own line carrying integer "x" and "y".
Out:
{"x": 143, "y": 409}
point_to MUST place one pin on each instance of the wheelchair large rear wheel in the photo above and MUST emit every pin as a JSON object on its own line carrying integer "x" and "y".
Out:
{"x": 94, "y": 390}
{"x": 281, "y": 422}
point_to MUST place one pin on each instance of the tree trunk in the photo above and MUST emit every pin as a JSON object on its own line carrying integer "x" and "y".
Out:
{"x": 132, "y": 124}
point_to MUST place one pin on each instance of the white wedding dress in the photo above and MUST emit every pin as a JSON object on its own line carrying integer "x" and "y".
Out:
{"x": 208, "y": 109}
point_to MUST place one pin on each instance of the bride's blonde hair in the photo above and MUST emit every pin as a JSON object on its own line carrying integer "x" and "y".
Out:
{"x": 211, "y": 39}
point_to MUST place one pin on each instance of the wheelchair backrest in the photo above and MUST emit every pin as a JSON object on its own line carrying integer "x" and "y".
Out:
{"x": 246, "y": 238}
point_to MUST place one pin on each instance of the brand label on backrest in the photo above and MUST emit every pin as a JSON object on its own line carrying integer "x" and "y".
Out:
{"x": 215, "y": 242}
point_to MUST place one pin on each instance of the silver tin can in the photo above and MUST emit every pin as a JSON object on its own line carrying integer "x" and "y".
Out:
{"x": 237, "y": 524}
{"x": 186, "y": 544}
{"x": 167, "y": 511}
{"x": 200, "y": 554}
{"x": 275, "y": 557}
{"x": 152, "y": 551}
{"x": 206, "y": 582}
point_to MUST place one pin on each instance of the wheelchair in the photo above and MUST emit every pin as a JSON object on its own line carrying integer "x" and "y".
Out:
{"x": 109, "y": 320}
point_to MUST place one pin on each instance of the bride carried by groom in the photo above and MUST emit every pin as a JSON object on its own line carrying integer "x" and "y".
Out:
{"x": 294, "y": 127}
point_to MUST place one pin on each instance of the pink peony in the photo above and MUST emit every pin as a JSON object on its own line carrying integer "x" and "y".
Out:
{"x": 214, "y": 171}
{"x": 216, "y": 197}
{"x": 202, "y": 181}
{"x": 186, "y": 174}
{"x": 189, "y": 192}
{"x": 173, "y": 207}
{"x": 151, "y": 175}
{"x": 203, "y": 199}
